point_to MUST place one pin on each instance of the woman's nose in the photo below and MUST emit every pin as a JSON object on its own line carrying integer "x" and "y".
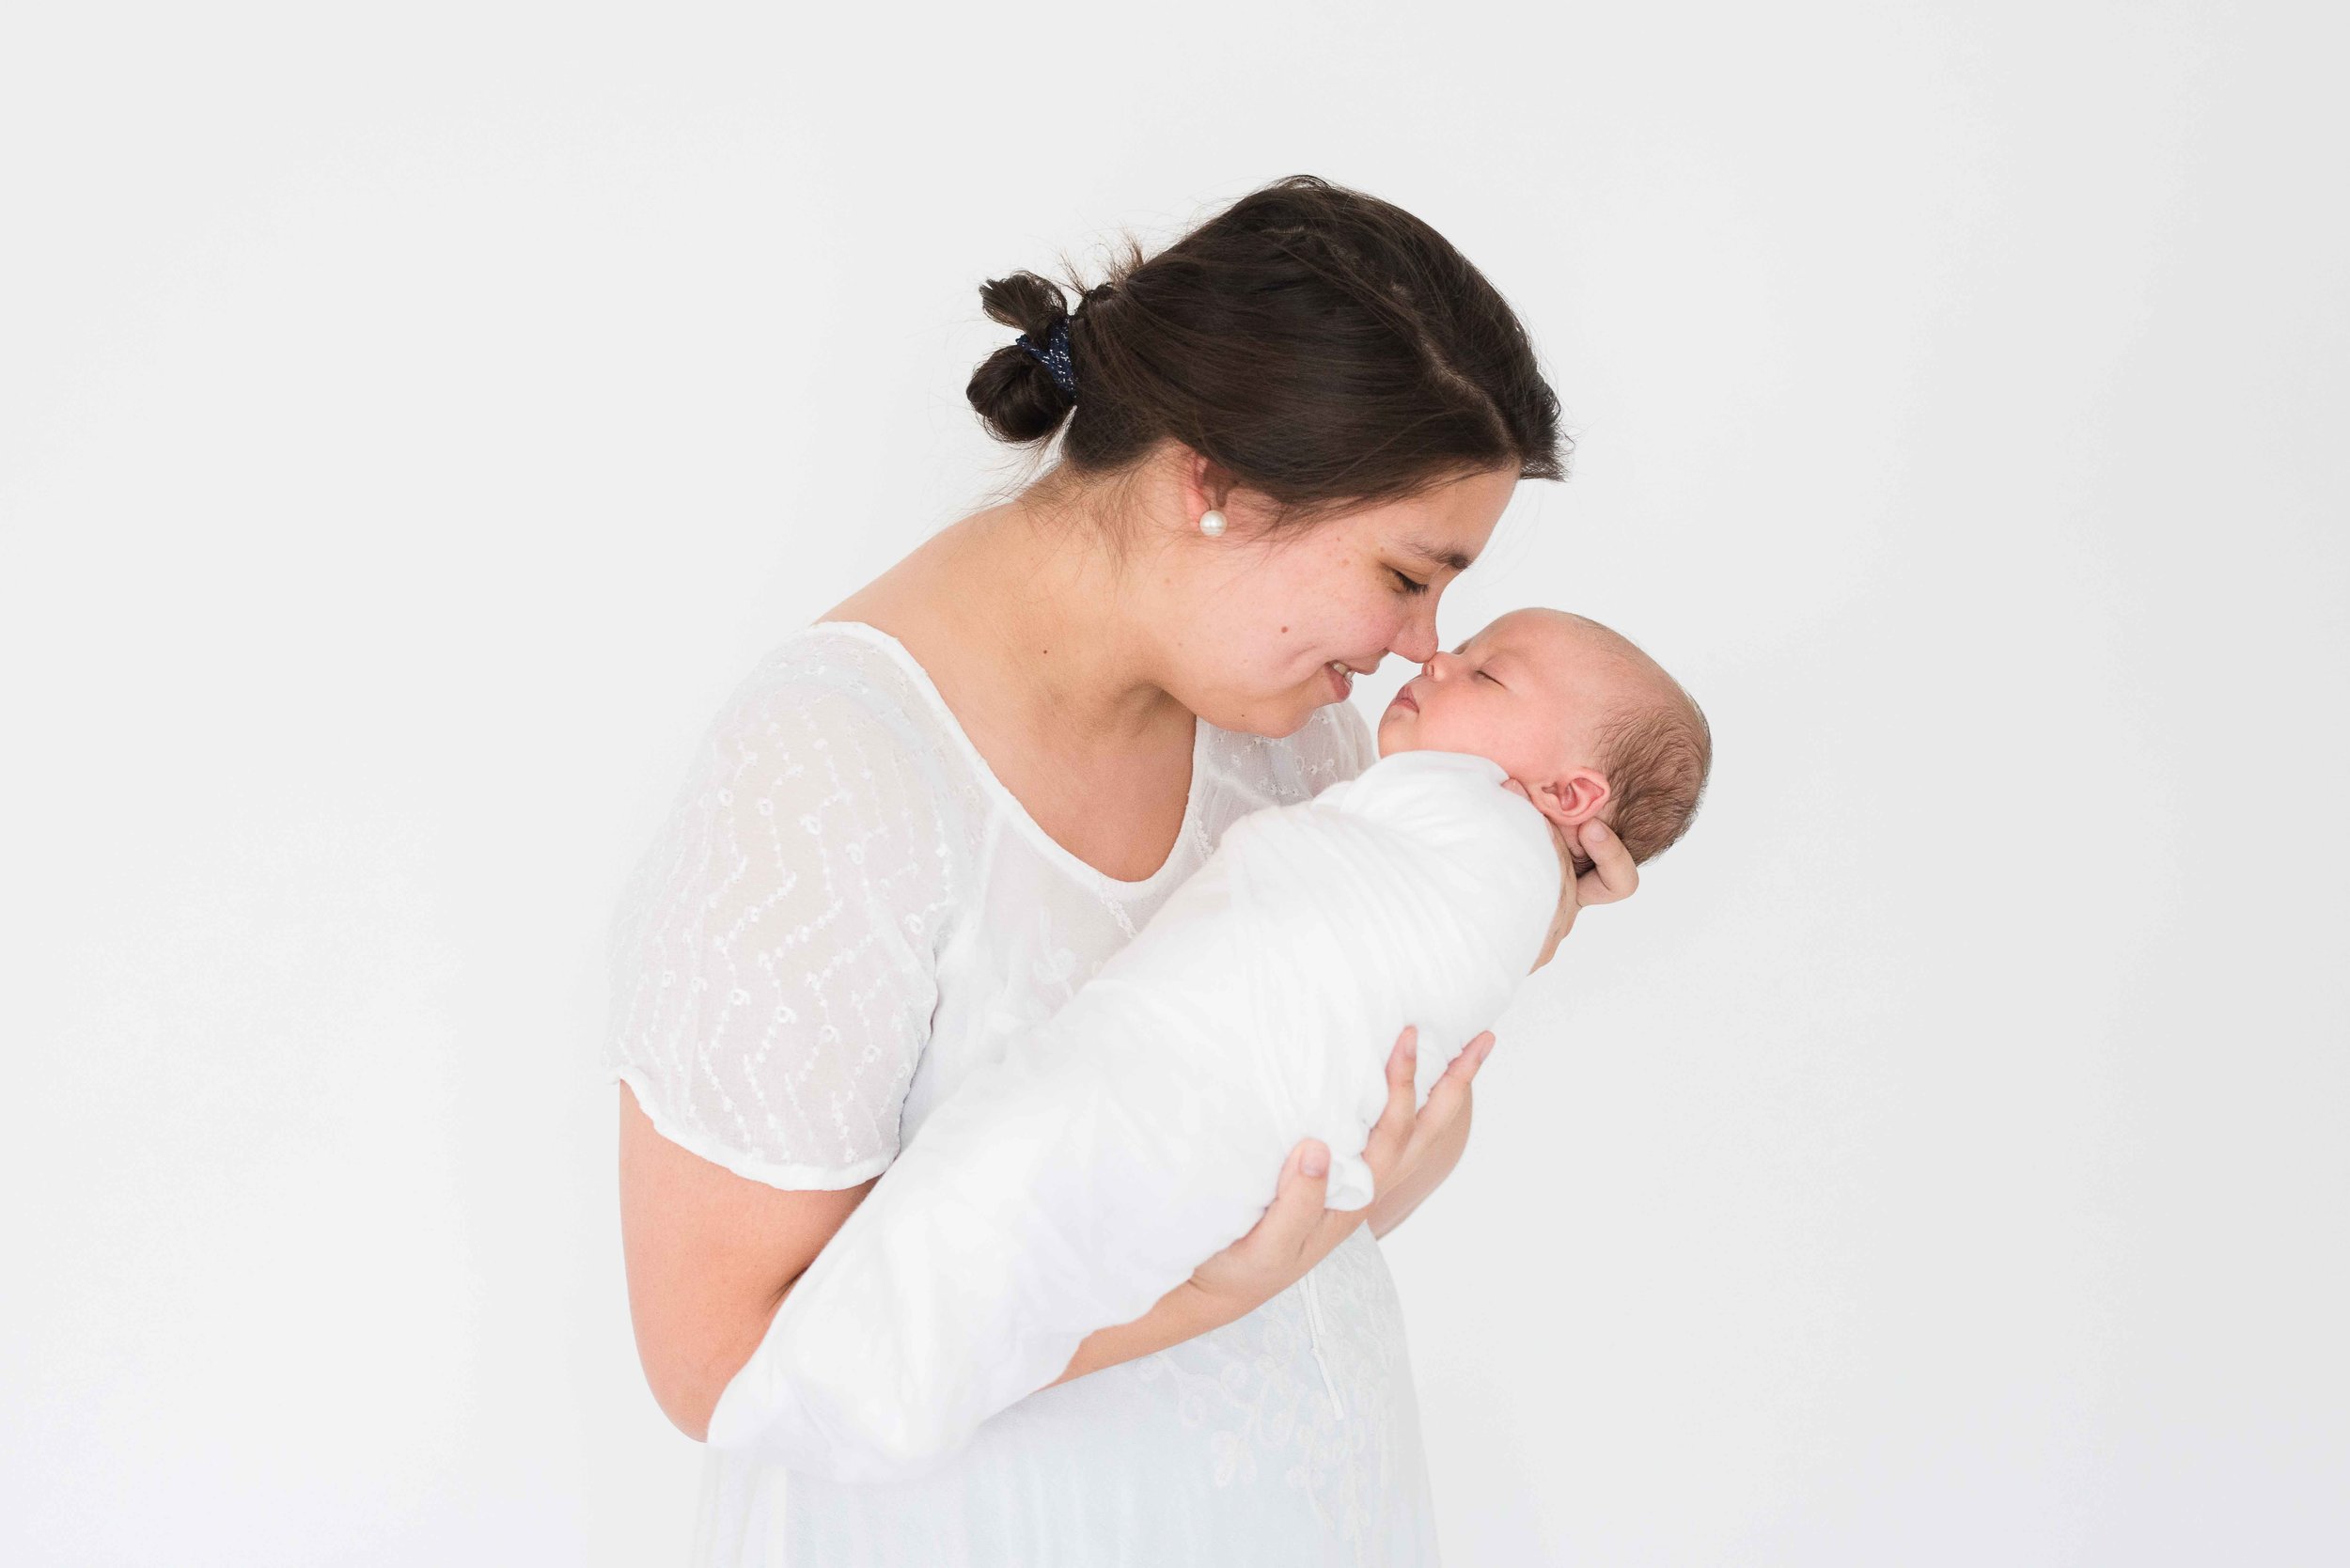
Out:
{"x": 1417, "y": 641}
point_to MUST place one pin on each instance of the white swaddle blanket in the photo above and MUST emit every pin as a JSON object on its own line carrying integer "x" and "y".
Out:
{"x": 1141, "y": 1129}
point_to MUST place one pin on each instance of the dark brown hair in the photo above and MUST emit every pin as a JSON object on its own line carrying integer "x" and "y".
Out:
{"x": 1326, "y": 349}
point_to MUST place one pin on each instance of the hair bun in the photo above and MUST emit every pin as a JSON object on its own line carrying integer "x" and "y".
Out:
{"x": 1016, "y": 390}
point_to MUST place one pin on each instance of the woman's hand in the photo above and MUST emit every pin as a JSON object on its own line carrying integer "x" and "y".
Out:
{"x": 1297, "y": 1230}
{"x": 1613, "y": 877}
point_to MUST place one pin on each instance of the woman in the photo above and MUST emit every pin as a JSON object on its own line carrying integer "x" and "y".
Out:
{"x": 926, "y": 819}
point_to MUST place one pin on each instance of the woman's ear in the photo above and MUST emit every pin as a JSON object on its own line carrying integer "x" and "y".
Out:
{"x": 1206, "y": 482}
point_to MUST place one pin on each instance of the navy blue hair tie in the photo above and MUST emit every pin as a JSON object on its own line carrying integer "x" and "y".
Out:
{"x": 1055, "y": 356}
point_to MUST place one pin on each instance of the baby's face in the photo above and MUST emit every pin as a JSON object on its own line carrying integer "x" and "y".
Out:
{"x": 1527, "y": 692}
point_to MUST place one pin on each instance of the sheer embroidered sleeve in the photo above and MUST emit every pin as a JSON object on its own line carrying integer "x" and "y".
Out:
{"x": 774, "y": 959}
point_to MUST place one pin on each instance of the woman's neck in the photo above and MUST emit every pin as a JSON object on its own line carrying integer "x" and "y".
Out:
{"x": 1056, "y": 622}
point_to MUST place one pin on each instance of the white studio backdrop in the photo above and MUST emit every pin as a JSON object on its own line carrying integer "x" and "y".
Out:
{"x": 412, "y": 425}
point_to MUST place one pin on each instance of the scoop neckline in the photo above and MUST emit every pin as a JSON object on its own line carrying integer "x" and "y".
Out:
{"x": 1009, "y": 803}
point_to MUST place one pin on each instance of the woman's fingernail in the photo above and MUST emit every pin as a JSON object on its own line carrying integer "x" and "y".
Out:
{"x": 1316, "y": 1162}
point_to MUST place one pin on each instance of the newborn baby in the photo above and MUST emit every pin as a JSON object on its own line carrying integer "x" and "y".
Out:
{"x": 1142, "y": 1129}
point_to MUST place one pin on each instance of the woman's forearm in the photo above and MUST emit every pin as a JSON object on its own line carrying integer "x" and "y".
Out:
{"x": 1187, "y": 1311}
{"x": 1182, "y": 1313}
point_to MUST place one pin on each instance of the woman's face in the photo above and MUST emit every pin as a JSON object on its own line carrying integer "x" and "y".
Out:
{"x": 1260, "y": 623}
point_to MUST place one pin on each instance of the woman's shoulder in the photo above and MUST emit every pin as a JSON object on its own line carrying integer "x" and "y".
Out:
{"x": 774, "y": 954}
{"x": 832, "y": 713}
{"x": 831, "y": 659}
{"x": 834, "y": 685}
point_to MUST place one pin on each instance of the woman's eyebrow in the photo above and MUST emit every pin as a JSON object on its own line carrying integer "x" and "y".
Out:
{"x": 1436, "y": 554}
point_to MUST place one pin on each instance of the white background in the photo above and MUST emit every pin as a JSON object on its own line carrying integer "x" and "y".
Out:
{"x": 412, "y": 426}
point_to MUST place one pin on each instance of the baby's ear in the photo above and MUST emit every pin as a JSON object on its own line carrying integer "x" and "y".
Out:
{"x": 1573, "y": 798}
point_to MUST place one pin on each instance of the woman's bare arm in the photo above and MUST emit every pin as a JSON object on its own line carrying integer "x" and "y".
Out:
{"x": 710, "y": 1255}
{"x": 1186, "y": 1310}
{"x": 1182, "y": 1313}
{"x": 1410, "y": 1151}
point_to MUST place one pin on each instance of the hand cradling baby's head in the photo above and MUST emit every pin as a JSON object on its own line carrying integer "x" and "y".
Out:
{"x": 1588, "y": 724}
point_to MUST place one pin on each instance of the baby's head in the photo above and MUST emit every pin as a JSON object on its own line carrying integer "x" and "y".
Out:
{"x": 1588, "y": 723}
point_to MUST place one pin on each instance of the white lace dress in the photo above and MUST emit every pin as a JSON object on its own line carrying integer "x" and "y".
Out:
{"x": 845, "y": 914}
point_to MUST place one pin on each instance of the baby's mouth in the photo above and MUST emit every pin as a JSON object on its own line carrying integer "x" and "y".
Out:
{"x": 1404, "y": 699}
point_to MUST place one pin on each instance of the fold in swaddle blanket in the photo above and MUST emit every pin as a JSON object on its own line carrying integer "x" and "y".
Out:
{"x": 1141, "y": 1129}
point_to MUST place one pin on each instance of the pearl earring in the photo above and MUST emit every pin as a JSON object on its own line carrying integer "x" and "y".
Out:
{"x": 1212, "y": 523}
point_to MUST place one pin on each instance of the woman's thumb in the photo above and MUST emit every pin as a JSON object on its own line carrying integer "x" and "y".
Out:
{"x": 1314, "y": 1162}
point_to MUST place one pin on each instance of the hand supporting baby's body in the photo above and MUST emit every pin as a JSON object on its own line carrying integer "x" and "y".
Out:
{"x": 1135, "y": 1134}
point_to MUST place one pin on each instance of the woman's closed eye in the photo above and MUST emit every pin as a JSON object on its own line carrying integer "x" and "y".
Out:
{"x": 1409, "y": 584}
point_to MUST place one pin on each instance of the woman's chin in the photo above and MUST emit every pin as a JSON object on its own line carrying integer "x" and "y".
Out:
{"x": 1268, "y": 722}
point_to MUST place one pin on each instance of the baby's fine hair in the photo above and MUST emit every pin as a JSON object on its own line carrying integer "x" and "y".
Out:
{"x": 1656, "y": 754}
